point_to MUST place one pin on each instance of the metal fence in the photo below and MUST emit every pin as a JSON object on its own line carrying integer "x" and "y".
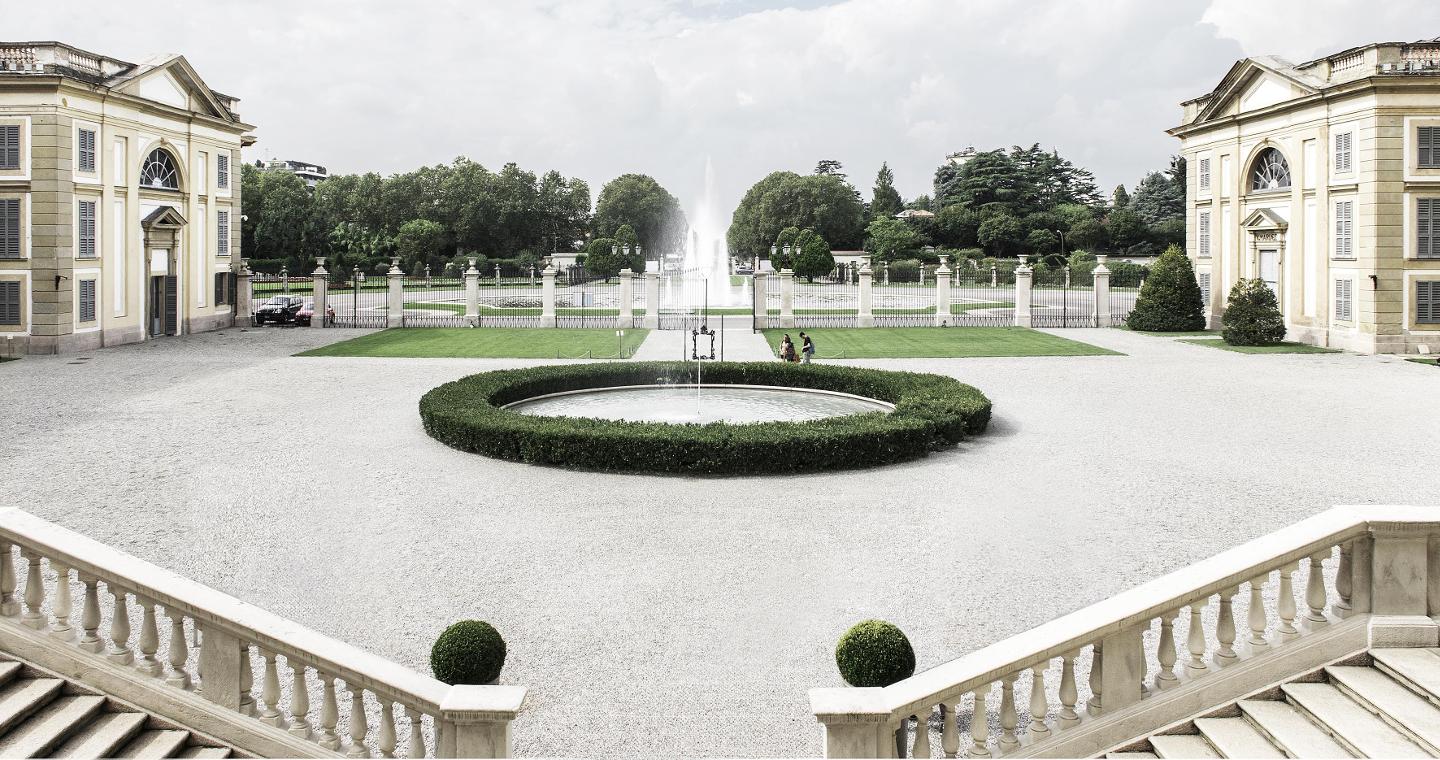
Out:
{"x": 981, "y": 297}
{"x": 826, "y": 302}
{"x": 585, "y": 299}
{"x": 1062, "y": 297}
{"x": 903, "y": 296}
{"x": 1124, "y": 290}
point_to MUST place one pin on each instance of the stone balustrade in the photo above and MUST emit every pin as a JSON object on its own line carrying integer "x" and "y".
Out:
{"x": 1079, "y": 684}
{"x": 222, "y": 666}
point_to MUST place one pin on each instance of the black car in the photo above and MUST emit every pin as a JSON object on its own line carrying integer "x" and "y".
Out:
{"x": 279, "y": 309}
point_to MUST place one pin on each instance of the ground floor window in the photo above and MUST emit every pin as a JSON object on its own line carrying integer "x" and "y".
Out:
{"x": 1345, "y": 300}
{"x": 87, "y": 301}
{"x": 9, "y": 303}
{"x": 1204, "y": 280}
{"x": 224, "y": 288}
{"x": 1427, "y": 302}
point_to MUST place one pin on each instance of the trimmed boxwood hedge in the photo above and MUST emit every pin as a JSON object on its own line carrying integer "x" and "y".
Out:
{"x": 931, "y": 411}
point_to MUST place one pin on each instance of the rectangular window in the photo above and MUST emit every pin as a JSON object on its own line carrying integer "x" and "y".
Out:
{"x": 87, "y": 151}
{"x": 1427, "y": 302}
{"x": 222, "y": 233}
{"x": 1204, "y": 278}
{"x": 1427, "y": 228}
{"x": 1428, "y": 139}
{"x": 1203, "y": 233}
{"x": 1345, "y": 300}
{"x": 1204, "y": 174}
{"x": 1343, "y": 152}
{"x": 86, "y": 247}
{"x": 222, "y": 171}
{"x": 9, "y": 303}
{"x": 223, "y": 285}
{"x": 1345, "y": 229}
{"x": 9, "y": 146}
{"x": 9, "y": 228}
{"x": 87, "y": 300}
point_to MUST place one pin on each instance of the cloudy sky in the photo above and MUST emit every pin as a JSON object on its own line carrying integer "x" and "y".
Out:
{"x": 597, "y": 88}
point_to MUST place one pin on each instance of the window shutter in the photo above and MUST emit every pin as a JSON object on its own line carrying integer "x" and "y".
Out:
{"x": 1427, "y": 302}
{"x": 1202, "y": 235}
{"x": 1344, "y": 300}
{"x": 1426, "y": 246}
{"x": 1204, "y": 173}
{"x": 9, "y": 146}
{"x": 1342, "y": 152}
{"x": 87, "y": 229}
{"x": 1344, "y": 229}
{"x": 9, "y": 303}
{"x": 222, "y": 233}
{"x": 1428, "y": 141}
{"x": 1205, "y": 290}
{"x": 86, "y": 151}
{"x": 222, "y": 170}
{"x": 9, "y": 228}
{"x": 87, "y": 300}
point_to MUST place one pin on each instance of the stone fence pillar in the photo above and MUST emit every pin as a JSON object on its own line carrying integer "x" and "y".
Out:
{"x": 395, "y": 302}
{"x": 319, "y": 292}
{"x": 759, "y": 299}
{"x": 942, "y": 292}
{"x": 787, "y": 298}
{"x": 652, "y": 301}
{"x": 1101, "y": 312}
{"x": 866, "y": 315}
{"x": 244, "y": 312}
{"x": 472, "y": 295}
{"x": 627, "y": 297}
{"x": 475, "y": 720}
{"x": 1023, "y": 276}
{"x": 547, "y": 297}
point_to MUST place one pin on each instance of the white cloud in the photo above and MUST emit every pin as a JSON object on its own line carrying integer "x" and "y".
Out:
{"x": 602, "y": 87}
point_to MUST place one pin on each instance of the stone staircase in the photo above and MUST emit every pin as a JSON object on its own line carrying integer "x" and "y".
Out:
{"x": 43, "y": 715}
{"x": 1383, "y": 704}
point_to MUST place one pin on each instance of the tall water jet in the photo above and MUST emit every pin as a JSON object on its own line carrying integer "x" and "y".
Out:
{"x": 707, "y": 257}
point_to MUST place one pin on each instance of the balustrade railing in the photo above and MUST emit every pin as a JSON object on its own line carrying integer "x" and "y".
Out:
{"x": 1043, "y": 683}
{"x": 195, "y": 641}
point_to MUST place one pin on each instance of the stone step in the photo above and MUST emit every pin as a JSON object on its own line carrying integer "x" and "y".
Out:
{"x": 155, "y": 743}
{"x": 9, "y": 671}
{"x": 50, "y": 725}
{"x": 198, "y": 751}
{"x": 1291, "y": 730}
{"x": 1129, "y": 756}
{"x": 1419, "y": 669}
{"x": 22, "y": 697}
{"x": 103, "y": 736}
{"x": 1400, "y": 707}
{"x": 1236, "y": 737}
{"x": 1352, "y": 725}
{"x": 1182, "y": 746}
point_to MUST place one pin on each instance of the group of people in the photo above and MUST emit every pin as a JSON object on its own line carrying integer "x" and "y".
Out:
{"x": 789, "y": 354}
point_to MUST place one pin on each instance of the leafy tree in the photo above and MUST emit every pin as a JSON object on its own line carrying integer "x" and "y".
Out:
{"x": 1001, "y": 234}
{"x": 1120, "y": 198}
{"x": 1252, "y": 315}
{"x": 889, "y": 239}
{"x": 1089, "y": 233}
{"x": 286, "y": 227}
{"x": 419, "y": 244}
{"x": 1170, "y": 299}
{"x": 1042, "y": 241}
{"x": 781, "y": 258}
{"x": 885, "y": 199}
{"x": 564, "y": 206}
{"x": 1158, "y": 199}
{"x": 824, "y": 203}
{"x": 1125, "y": 228}
{"x": 814, "y": 259}
{"x": 829, "y": 167}
{"x": 921, "y": 203}
{"x": 641, "y": 202}
{"x": 988, "y": 179}
{"x": 956, "y": 226}
{"x": 635, "y": 260}
{"x": 602, "y": 258}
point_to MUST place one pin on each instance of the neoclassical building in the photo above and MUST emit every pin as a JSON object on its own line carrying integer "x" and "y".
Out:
{"x": 1323, "y": 179}
{"x": 119, "y": 199}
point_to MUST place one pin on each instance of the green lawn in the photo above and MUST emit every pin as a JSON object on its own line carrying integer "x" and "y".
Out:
{"x": 1427, "y": 361}
{"x": 1183, "y": 334}
{"x": 487, "y": 343}
{"x": 936, "y": 342}
{"x": 1279, "y": 348}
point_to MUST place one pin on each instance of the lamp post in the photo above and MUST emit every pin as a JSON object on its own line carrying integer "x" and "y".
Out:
{"x": 1061, "y": 233}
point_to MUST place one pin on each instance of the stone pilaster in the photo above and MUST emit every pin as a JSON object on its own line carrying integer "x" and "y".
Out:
{"x": 395, "y": 298}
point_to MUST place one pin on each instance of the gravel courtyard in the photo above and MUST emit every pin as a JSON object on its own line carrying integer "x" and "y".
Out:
{"x": 688, "y": 616}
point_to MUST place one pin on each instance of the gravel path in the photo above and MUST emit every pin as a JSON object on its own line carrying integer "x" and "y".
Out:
{"x": 688, "y": 616}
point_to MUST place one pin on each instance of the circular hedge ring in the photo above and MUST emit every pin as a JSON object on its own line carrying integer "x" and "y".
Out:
{"x": 931, "y": 412}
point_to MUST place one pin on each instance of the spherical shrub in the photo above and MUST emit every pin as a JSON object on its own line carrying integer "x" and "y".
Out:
{"x": 874, "y": 653}
{"x": 468, "y": 652}
{"x": 1252, "y": 317}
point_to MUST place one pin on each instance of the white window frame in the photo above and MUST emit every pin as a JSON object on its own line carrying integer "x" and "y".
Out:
{"x": 1202, "y": 173}
{"x": 1342, "y": 241}
{"x": 1203, "y": 233}
{"x": 222, "y": 170}
{"x": 93, "y": 238}
{"x": 222, "y": 233}
{"x": 1344, "y": 300}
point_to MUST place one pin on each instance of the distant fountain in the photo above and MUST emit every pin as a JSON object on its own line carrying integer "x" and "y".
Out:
{"x": 706, "y": 257}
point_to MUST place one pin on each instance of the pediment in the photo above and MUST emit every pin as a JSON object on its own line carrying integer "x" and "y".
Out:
{"x": 1264, "y": 219}
{"x": 163, "y": 217}
{"x": 1253, "y": 84}
{"x": 174, "y": 82}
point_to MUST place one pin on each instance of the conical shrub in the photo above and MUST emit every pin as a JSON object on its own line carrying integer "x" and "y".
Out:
{"x": 1170, "y": 300}
{"x": 1252, "y": 317}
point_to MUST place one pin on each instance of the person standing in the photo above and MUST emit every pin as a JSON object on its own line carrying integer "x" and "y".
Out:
{"x": 807, "y": 348}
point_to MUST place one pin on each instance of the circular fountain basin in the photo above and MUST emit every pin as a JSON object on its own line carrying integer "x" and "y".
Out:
{"x": 679, "y": 404}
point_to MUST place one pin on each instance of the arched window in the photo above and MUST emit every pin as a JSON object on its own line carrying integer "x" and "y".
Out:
{"x": 1271, "y": 172}
{"x": 159, "y": 171}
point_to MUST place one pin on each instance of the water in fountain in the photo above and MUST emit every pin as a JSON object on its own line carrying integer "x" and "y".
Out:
{"x": 707, "y": 258}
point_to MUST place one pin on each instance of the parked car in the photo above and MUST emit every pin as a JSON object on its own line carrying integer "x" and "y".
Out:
{"x": 744, "y": 269}
{"x": 303, "y": 316}
{"x": 279, "y": 310}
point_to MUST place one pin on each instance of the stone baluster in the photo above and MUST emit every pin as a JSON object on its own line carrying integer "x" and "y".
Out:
{"x": 359, "y": 727}
{"x": 1344, "y": 581}
{"x": 1256, "y": 616}
{"x": 1097, "y": 674}
{"x": 1069, "y": 693}
{"x": 60, "y": 627}
{"x": 1009, "y": 718}
{"x": 980, "y": 725}
{"x": 1315, "y": 591}
{"x": 270, "y": 691}
{"x": 1285, "y": 605}
{"x": 1039, "y": 703}
{"x": 34, "y": 616}
{"x": 329, "y": 714}
{"x": 8, "y": 606}
{"x": 949, "y": 729}
{"x": 149, "y": 640}
{"x": 179, "y": 651}
{"x": 1225, "y": 629}
{"x": 247, "y": 682}
{"x": 1165, "y": 654}
{"x": 387, "y": 728}
{"x": 1143, "y": 662}
{"x": 90, "y": 617}
{"x": 921, "y": 746}
{"x": 1195, "y": 640}
{"x": 120, "y": 627}
{"x": 299, "y": 699}
{"x": 417, "y": 734}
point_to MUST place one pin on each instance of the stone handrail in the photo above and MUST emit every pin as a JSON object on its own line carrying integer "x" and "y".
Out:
{"x": 464, "y": 721}
{"x": 859, "y": 722}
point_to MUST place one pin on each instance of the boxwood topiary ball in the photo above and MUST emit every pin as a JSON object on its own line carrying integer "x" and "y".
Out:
{"x": 874, "y": 653}
{"x": 468, "y": 652}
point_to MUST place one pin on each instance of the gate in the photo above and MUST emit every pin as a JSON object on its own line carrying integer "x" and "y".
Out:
{"x": 826, "y": 302}
{"x": 1062, "y": 298}
{"x": 981, "y": 297}
{"x": 903, "y": 296}
{"x": 586, "y": 299}
{"x": 1124, "y": 290}
{"x": 434, "y": 302}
